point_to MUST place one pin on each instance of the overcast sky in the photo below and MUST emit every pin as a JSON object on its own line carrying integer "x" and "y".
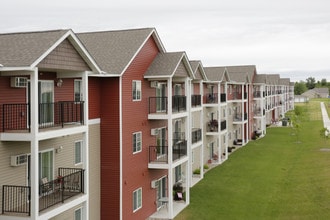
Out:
{"x": 288, "y": 37}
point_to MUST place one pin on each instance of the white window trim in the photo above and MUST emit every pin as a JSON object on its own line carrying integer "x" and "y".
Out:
{"x": 81, "y": 212}
{"x": 81, "y": 152}
{"x": 136, "y": 83}
{"x": 137, "y": 150}
{"x": 138, "y": 206}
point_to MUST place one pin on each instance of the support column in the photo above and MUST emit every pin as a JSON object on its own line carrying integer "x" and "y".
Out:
{"x": 34, "y": 147}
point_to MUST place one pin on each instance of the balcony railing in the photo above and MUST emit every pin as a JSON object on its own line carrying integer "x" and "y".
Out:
{"x": 196, "y": 100}
{"x": 196, "y": 135}
{"x": 238, "y": 117}
{"x": 223, "y": 125}
{"x": 160, "y": 104}
{"x": 211, "y": 98}
{"x": 179, "y": 149}
{"x": 179, "y": 103}
{"x": 223, "y": 97}
{"x": 212, "y": 126}
{"x": 17, "y": 199}
{"x": 159, "y": 154}
{"x": 16, "y": 117}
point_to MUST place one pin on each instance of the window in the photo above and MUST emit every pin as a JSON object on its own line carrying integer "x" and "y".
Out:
{"x": 178, "y": 176}
{"x": 137, "y": 199}
{"x": 78, "y": 214}
{"x": 78, "y": 93}
{"x": 137, "y": 142}
{"x": 136, "y": 90}
{"x": 78, "y": 152}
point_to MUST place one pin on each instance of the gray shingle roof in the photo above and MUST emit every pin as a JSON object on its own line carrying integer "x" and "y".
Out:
{"x": 242, "y": 74}
{"x": 23, "y": 49}
{"x": 198, "y": 70}
{"x": 114, "y": 50}
{"x": 165, "y": 64}
{"x": 215, "y": 73}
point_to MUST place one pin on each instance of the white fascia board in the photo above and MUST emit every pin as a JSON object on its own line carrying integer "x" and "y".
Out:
{"x": 7, "y": 71}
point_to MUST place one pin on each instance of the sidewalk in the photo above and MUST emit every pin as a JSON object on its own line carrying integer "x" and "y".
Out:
{"x": 326, "y": 121}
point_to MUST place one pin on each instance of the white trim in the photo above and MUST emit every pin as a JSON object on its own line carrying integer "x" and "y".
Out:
{"x": 94, "y": 121}
{"x": 121, "y": 148}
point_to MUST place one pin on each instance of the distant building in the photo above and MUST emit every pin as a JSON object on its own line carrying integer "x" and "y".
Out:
{"x": 317, "y": 93}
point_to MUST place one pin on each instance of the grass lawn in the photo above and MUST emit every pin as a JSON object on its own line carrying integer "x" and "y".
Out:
{"x": 281, "y": 176}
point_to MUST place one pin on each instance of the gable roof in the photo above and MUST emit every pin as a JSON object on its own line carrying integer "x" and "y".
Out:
{"x": 242, "y": 74}
{"x": 166, "y": 64}
{"x": 198, "y": 69}
{"x": 115, "y": 50}
{"x": 28, "y": 49}
{"x": 217, "y": 74}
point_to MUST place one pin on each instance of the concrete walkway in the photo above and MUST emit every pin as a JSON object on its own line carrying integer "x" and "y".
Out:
{"x": 326, "y": 120}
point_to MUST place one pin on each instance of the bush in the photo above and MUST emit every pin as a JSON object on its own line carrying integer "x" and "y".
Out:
{"x": 197, "y": 171}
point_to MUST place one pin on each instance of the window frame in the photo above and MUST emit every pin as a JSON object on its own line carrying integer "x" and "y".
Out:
{"x": 81, "y": 213}
{"x": 81, "y": 152}
{"x": 137, "y": 199}
{"x": 136, "y": 141}
{"x": 136, "y": 90}
{"x": 81, "y": 95}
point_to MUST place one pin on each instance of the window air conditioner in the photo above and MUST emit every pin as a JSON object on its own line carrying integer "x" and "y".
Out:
{"x": 154, "y": 131}
{"x": 18, "y": 82}
{"x": 18, "y": 160}
{"x": 153, "y": 84}
{"x": 154, "y": 184}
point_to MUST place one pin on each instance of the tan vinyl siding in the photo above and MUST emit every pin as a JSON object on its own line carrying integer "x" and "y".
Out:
{"x": 181, "y": 71}
{"x": 64, "y": 57}
{"x": 94, "y": 172}
{"x": 68, "y": 215}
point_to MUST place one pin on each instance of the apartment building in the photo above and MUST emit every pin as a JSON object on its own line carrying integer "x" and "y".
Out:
{"x": 109, "y": 125}
{"x": 45, "y": 140}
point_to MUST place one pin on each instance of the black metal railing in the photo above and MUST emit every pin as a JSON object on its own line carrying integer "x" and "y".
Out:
{"x": 158, "y": 154}
{"x": 257, "y": 94}
{"x": 196, "y": 100}
{"x": 17, "y": 199}
{"x": 179, "y": 103}
{"x": 18, "y": 116}
{"x": 196, "y": 135}
{"x": 62, "y": 188}
{"x": 211, "y": 98}
{"x": 238, "y": 117}
{"x": 157, "y": 105}
{"x": 223, "y": 125}
{"x": 179, "y": 150}
{"x": 212, "y": 126}
{"x": 178, "y": 136}
{"x": 223, "y": 97}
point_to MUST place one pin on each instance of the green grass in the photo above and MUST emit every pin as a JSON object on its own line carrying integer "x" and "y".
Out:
{"x": 276, "y": 177}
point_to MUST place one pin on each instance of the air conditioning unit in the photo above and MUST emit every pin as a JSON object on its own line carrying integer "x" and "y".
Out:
{"x": 154, "y": 84}
{"x": 154, "y": 131}
{"x": 18, "y": 82}
{"x": 18, "y": 160}
{"x": 154, "y": 184}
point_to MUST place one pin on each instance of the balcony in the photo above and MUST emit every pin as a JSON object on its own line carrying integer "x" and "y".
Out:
{"x": 196, "y": 135}
{"x": 16, "y": 200}
{"x": 179, "y": 103}
{"x": 257, "y": 94}
{"x": 211, "y": 98}
{"x": 223, "y": 97}
{"x": 17, "y": 117}
{"x": 159, "y": 105}
{"x": 223, "y": 125}
{"x": 212, "y": 126}
{"x": 196, "y": 101}
{"x": 238, "y": 117}
{"x": 158, "y": 155}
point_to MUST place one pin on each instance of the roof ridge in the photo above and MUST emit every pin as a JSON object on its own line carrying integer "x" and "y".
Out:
{"x": 35, "y": 32}
{"x": 117, "y": 30}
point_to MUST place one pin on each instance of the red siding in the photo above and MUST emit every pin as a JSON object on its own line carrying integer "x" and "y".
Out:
{"x": 135, "y": 118}
{"x": 110, "y": 151}
{"x": 94, "y": 97}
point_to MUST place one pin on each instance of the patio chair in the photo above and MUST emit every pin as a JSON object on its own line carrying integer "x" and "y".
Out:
{"x": 45, "y": 186}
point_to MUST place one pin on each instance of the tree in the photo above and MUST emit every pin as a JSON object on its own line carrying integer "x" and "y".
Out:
{"x": 310, "y": 83}
{"x": 299, "y": 88}
{"x": 324, "y": 82}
